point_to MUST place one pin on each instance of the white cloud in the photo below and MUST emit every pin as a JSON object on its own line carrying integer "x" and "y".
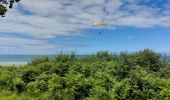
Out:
{"x": 52, "y": 18}
{"x": 18, "y": 45}
{"x": 44, "y": 19}
{"x": 12, "y": 45}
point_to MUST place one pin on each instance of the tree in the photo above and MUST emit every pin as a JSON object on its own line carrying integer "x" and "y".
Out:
{"x": 4, "y": 3}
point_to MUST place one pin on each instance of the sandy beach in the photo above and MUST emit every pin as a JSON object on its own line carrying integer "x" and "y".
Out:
{"x": 7, "y": 64}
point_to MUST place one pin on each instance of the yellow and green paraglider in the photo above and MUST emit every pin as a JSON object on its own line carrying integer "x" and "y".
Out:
{"x": 100, "y": 24}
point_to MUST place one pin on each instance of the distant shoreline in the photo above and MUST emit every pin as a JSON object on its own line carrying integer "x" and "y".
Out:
{"x": 7, "y": 64}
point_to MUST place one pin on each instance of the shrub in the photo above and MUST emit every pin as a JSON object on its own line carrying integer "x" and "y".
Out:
{"x": 39, "y": 60}
{"x": 29, "y": 75}
{"x": 129, "y": 76}
{"x": 104, "y": 56}
{"x": 149, "y": 59}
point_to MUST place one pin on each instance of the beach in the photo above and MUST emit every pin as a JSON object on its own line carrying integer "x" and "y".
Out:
{"x": 7, "y": 64}
{"x": 18, "y": 60}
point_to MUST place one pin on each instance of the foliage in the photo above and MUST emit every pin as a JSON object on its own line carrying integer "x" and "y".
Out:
{"x": 4, "y": 3}
{"x": 105, "y": 76}
{"x": 2, "y": 9}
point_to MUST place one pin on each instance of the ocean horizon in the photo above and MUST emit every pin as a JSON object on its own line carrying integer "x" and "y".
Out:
{"x": 19, "y": 59}
{"x": 22, "y": 59}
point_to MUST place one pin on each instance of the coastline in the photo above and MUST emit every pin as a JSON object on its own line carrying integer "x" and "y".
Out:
{"x": 18, "y": 60}
{"x": 8, "y": 64}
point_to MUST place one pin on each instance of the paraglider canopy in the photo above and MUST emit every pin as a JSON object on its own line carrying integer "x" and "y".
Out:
{"x": 100, "y": 23}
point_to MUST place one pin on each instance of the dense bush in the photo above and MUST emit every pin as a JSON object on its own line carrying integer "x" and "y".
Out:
{"x": 126, "y": 76}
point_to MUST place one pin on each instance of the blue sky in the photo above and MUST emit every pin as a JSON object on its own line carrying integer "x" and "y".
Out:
{"x": 51, "y": 26}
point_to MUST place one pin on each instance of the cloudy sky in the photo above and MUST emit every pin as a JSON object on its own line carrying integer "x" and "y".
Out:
{"x": 49, "y": 26}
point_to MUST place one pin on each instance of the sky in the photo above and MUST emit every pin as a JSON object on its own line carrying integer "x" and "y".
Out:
{"x": 51, "y": 26}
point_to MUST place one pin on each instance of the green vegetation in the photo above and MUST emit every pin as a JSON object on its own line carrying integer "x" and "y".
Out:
{"x": 128, "y": 76}
{"x": 4, "y": 3}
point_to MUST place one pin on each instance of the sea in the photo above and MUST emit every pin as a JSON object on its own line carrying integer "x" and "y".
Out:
{"x": 19, "y": 59}
{"x": 22, "y": 59}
